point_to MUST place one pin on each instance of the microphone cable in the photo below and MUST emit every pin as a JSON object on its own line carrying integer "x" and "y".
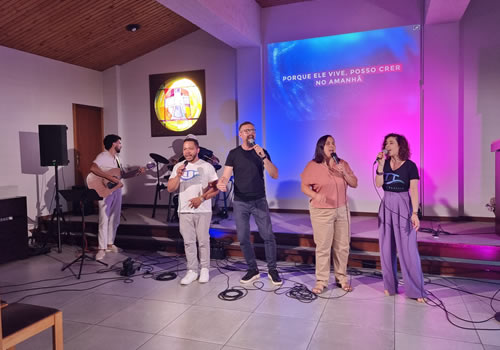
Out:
{"x": 230, "y": 293}
{"x": 382, "y": 199}
{"x": 348, "y": 217}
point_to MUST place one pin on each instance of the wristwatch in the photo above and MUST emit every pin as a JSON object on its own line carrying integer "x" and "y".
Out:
{"x": 202, "y": 199}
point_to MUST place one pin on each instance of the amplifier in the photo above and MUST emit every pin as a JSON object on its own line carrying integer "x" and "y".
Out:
{"x": 13, "y": 229}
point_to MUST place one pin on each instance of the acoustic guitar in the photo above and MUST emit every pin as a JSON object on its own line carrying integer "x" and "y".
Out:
{"x": 104, "y": 187}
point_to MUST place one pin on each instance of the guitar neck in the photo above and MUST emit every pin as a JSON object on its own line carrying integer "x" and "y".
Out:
{"x": 132, "y": 173}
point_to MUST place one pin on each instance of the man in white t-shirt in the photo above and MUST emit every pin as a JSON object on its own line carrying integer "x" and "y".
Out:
{"x": 196, "y": 181}
{"x": 109, "y": 207}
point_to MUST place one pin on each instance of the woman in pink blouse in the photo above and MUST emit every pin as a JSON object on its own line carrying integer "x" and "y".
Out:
{"x": 325, "y": 180}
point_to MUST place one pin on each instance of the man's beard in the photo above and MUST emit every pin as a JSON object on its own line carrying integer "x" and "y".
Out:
{"x": 250, "y": 144}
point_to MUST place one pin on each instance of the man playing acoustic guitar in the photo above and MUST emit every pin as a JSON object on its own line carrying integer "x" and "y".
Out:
{"x": 108, "y": 167}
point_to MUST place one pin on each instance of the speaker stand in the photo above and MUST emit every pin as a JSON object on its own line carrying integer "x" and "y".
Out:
{"x": 159, "y": 187}
{"x": 57, "y": 214}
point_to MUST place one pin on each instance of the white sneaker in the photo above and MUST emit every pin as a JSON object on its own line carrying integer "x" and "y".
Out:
{"x": 204, "y": 275}
{"x": 190, "y": 277}
{"x": 100, "y": 254}
{"x": 114, "y": 249}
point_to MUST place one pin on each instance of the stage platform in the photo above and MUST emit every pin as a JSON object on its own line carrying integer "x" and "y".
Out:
{"x": 463, "y": 248}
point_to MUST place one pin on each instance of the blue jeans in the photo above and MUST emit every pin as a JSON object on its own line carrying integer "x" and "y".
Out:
{"x": 260, "y": 211}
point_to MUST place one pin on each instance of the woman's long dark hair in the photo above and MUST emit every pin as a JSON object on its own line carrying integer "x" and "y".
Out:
{"x": 319, "y": 154}
{"x": 404, "y": 148}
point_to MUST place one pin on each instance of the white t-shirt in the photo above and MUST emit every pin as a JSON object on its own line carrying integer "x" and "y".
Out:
{"x": 105, "y": 161}
{"x": 194, "y": 179}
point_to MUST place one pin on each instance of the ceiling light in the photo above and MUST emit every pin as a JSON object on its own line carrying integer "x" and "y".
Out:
{"x": 132, "y": 27}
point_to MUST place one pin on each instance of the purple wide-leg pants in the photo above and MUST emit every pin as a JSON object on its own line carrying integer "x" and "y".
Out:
{"x": 397, "y": 232}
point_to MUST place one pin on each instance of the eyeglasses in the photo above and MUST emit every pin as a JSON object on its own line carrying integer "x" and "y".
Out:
{"x": 248, "y": 131}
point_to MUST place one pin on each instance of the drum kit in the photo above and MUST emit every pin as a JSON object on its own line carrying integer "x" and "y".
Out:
{"x": 205, "y": 154}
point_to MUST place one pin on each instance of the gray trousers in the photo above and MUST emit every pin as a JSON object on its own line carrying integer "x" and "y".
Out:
{"x": 260, "y": 211}
{"x": 195, "y": 226}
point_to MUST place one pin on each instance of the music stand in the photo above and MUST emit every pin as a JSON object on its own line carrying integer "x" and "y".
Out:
{"x": 83, "y": 196}
{"x": 159, "y": 186}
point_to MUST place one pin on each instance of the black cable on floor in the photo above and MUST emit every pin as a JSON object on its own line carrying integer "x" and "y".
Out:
{"x": 299, "y": 292}
{"x": 439, "y": 303}
{"x": 233, "y": 293}
{"x": 148, "y": 273}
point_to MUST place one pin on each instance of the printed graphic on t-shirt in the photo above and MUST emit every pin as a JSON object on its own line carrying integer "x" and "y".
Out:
{"x": 189, "y": 175}
{"x": 391, "y": 178}
{"x": 393, "y": 182}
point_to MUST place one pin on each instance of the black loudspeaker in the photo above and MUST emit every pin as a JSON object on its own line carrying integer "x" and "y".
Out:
{"x": 53, "y": 145}
{"x": 217, "y": 249}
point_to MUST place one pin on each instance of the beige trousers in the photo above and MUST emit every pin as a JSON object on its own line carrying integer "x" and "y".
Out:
{"x": 331, "y": 229}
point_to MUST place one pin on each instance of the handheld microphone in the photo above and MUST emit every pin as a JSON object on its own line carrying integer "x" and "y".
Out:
{"x": 185, "y": 163}
{"x": 251, "y": 141}
{"x": 335, "y": 158}
{"x": 385, "y": 153}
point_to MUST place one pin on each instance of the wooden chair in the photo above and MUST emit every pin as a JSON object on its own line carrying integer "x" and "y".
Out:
{"x": 19, "y": 322}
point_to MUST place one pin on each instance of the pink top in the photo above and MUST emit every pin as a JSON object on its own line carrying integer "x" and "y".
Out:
{"x": 328, "y": 182}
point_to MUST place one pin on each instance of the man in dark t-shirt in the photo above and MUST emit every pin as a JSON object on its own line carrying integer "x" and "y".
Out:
{"x": 247, "y": 162}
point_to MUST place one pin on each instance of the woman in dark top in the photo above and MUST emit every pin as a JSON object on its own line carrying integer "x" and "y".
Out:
{"x": 398, "y": 219}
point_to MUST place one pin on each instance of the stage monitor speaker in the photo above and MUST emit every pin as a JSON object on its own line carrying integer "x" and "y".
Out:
{"x": 53, "y": 145}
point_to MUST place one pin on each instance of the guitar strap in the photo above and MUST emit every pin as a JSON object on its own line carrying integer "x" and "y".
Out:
{"x": 118, "y": 163}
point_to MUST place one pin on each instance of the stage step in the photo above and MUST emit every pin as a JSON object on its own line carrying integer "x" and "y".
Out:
{"x": 437, "y": 257}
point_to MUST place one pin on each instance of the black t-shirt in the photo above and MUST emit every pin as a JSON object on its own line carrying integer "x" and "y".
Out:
{"x": 399, "y": 180}
{"x": 248, "y": 171}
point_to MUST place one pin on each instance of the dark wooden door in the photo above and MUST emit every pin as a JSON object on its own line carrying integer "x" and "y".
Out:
{"x": 88, "y": 135}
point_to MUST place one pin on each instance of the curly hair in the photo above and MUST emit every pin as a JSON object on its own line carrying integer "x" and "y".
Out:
{"x": 109, "y": 140}
{"x": 404, "y": 148}
{"x": 319, "y": 154}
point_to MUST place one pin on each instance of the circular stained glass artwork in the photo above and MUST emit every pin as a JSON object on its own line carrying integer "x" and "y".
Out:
{"x": 178, "y": 104}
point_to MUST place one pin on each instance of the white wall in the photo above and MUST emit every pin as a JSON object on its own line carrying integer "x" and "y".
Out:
{"x": 36, "y": 90}
{"x": 196, "y": 51}
{"x": 439, "y": 163}
{"x": 317, "y": 18}
{"x": 250, "y": 89}
{"x": 111, "y": 99}
{"x": 480, "y": 55}
{"x": 461, "y": 118}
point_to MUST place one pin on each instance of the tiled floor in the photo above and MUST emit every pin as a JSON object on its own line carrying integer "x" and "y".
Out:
{"x": 101, "y": 311}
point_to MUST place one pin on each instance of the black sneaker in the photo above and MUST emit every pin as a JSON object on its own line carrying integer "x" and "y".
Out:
{"x": 275, "y": 277}
{"x": 250, "y": 276}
